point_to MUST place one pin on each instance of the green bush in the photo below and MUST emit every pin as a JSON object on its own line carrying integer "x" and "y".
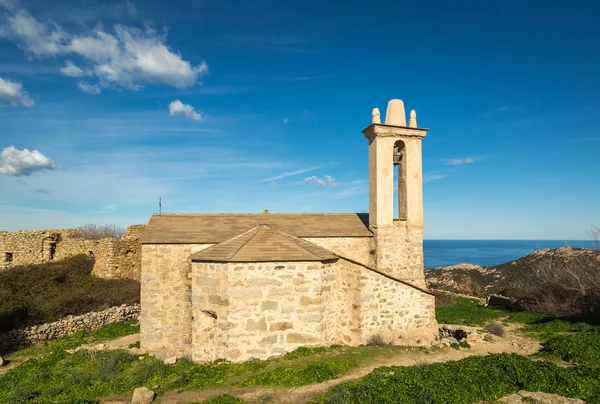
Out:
{"x": 36, "y": 294}
{"x": 470, "y": 380}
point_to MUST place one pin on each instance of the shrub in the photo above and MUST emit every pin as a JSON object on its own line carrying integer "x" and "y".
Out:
{"x": 97, "y": 232}
{"x": 376, "y": 340}
{"x": 36, "y": 294}
{"x": 495, "y": 328}
{"x": 564, "y": 286}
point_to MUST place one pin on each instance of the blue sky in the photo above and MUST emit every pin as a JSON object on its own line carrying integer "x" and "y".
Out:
{"x": 243, "y": 106}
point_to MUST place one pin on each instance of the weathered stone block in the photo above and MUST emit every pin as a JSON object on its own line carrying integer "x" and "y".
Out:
{"x": 256, "y": 325}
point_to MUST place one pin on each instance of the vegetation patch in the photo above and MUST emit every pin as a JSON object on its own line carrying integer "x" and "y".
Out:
{"x": 223, "y": 399}
{"x": 300, "y": 375}
{"x": 467, "y": 312}
{"x": 581, "y": 348}
{"x": 58, "y": 289}
{"x": 470, "y": 380}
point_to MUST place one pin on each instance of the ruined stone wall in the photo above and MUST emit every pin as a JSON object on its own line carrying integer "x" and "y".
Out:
{"x": 67, "y": 326}
{"x": 260, "y": 310}
{"x": 166, "y": 318}
{"x": 113, "y": 258}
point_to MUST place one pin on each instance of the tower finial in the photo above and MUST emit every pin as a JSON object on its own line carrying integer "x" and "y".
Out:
{"x": 376, "y": 116}
{"x": 395, "y": 115}
{"x": 412, "y": 122}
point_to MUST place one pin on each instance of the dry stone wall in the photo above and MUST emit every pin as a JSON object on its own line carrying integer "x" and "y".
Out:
{"x": 113, "y": 258}
{"x": 67, "y": 326}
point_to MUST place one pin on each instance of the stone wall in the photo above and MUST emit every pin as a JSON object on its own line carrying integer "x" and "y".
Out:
{"x": 260, "y": 310}
{"x": 360, "y": 249}
{"x": 67, "y": 326}
{"x": 166, "y": 318}
{"x": 399, "y": 251}
{"x": 114, "y": 258}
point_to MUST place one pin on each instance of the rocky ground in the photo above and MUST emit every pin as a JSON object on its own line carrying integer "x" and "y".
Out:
{"x": 477, "y": 280}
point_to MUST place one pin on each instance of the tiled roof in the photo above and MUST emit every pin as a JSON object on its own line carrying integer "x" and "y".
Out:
{"x": 216, "y": 228}
{"x": 263, "y": 244}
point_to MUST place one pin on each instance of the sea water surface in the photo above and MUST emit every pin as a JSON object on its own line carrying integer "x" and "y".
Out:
{"x": 487, "y": 252}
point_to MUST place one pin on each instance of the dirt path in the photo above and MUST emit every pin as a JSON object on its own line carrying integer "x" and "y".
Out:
{"x": 511, "y": 343}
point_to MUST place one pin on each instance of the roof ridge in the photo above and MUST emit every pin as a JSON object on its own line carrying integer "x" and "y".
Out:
{"x": 295, "y": 240}
{"x": 255, "y": 229}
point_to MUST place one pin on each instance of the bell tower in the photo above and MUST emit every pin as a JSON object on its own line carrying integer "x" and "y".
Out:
{"x": 395, "y": 146}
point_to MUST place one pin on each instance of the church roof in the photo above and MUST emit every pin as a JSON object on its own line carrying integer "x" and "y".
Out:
{"x": 216, "y": 228}
{"x": 264, "y": 244}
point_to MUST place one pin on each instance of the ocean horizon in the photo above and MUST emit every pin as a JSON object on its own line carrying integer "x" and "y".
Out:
{"x": 446, "y": 252}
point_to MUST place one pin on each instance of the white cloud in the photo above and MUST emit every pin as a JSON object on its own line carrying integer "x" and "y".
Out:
{"x": 429, "y": 178}
{"x": 89, "y": 88}
{"x": 127, "y": 56}
{"x": 72, "y": 70}
{"x": 327, "y": 181}
{"x": 41, "y": 39}
{"x": 187, "y": 111}
{"x": 458, "y": 162}
{"x": 42, "y": 191}
{"x": 291, "y": 173}
{"x": 13, "y": 92}
{"x": 285, "y": 120}
{"x": 23, "y": 162}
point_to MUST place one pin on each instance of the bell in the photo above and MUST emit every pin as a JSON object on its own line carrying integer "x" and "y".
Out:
{"x": 397, "y": 156}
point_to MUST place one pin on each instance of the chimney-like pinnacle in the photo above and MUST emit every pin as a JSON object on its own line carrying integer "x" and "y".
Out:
{"x": 412, "y": 122}
{"x": 395, "y": 114}
{"x": 376, "y": 116}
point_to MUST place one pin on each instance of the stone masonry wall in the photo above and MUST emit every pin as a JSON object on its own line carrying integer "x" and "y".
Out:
{"x": 360, "y": 249}
{"x": 114, "y": 258}
{"x": 166, "y": 299}
{"x": 256, "y": 310}
{"x": 260, "y": 310}
{"x": 66, "y": 326}
{"x": 399, "y": 252}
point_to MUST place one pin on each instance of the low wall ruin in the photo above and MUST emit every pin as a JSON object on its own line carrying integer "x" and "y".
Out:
{"x": 90, "y": 321}
{"x": 114, "y": 258}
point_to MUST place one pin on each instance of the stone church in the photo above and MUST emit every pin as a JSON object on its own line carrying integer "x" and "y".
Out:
{"x": 240, "y": 286}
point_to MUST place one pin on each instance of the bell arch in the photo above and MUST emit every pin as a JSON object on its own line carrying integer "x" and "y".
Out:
{"x": 400, "y": 196}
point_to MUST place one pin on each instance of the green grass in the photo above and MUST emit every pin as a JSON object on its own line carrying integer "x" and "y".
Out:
{"x": 61, "y": 377}
{"x": 467, "y": 312}
{"x": 470, "y": 380}
{"x": 106, "y": 333}
{"x": 581, "y": 348}
{"x": 223, "y": 399}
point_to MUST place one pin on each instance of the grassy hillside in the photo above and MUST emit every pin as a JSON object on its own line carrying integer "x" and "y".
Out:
{"x": 36, "y": 294}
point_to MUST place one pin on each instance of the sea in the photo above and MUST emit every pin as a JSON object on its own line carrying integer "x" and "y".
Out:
{"x": 488, "y": 252}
